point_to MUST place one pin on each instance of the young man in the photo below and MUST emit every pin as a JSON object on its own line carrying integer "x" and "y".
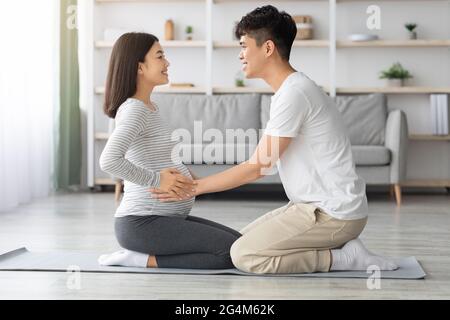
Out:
{"x": 306, "y": 138}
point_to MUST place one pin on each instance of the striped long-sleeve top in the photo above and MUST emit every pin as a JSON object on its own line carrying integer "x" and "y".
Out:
{"x": 138, "y": 149}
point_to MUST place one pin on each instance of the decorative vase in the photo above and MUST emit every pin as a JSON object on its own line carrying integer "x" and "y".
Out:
{"x": 394, "y": 82}
{"x": 304, "y": 27}
{"x": 412, "y": 35}
{"x": 169, "y": 30}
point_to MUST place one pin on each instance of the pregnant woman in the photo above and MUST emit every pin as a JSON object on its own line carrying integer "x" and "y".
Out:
{"x": 139, "y": 151}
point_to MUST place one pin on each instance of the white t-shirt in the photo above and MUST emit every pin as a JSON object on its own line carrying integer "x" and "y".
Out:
{"x": 317, "y": 167}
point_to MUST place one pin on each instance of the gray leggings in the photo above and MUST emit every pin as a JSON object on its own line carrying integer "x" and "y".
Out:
{"x": 178, "y": 242}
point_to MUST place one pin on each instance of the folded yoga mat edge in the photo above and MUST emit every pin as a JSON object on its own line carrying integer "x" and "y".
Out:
{"x": 16, "y": 260}
{"x": 4, "y": 255}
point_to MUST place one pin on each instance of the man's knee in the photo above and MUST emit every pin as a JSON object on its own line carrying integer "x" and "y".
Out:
{"x": 236, "y": 254}
{"x": 241, "y": 256}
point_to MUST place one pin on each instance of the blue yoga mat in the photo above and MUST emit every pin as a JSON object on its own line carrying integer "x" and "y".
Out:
{"x": 21, "y": 259}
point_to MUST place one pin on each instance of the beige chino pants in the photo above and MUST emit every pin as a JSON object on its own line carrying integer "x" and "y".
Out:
{"x": 295, "y": 238}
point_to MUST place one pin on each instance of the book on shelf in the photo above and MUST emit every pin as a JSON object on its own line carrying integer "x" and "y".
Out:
{"x": 445, "y": 114}
{"x": 440, "y": 115}
{"x": 433, "y": 105}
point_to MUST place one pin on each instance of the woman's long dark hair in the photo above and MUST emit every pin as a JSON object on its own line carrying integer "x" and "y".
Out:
{"x": 128, "y": 51}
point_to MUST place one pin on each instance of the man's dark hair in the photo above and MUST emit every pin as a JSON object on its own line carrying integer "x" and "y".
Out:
{"x": 267, "y": 23}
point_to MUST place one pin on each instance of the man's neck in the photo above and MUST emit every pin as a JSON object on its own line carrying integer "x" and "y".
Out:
{"x": 276, "y": 75}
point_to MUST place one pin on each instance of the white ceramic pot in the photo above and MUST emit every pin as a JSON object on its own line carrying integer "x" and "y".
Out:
{"x": 394, "y": 82}
{"x": 413, "y": 35}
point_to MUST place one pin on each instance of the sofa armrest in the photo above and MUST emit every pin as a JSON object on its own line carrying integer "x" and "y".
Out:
{"x": 396, "y": 140}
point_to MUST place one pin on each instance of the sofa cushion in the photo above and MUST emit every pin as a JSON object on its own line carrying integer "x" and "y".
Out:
{"x": 365, "y": 117}
{"x": 371, "y": 155}
{"x": 217, "y": 112}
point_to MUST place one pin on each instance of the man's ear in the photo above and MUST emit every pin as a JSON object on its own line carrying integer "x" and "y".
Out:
{"x": 269, "y": 47}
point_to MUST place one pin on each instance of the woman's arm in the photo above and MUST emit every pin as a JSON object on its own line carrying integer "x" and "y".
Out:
{"x": 132, "y": 122}
{"x": 112, "y": 160}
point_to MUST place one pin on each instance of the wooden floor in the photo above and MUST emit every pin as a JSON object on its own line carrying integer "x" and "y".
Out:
{"x": 84, "y": 221}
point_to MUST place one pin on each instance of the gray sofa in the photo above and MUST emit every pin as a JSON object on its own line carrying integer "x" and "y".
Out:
{"x": 379, "y": 138}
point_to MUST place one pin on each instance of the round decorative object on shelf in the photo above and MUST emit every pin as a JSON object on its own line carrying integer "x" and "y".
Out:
{"x": 304, "y": 27}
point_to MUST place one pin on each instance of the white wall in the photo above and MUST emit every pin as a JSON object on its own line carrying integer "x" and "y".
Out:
{"x": 355, "y": 66}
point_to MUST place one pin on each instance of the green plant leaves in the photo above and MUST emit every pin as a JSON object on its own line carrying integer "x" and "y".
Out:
{"x": 396, "y": 71}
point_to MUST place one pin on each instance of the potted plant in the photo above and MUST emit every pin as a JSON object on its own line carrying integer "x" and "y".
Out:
{"x": 239, "y": 79}
{"x": 189, "y": 31}
{"x": 411, "y": 27}
{"x": 395, "y": 75}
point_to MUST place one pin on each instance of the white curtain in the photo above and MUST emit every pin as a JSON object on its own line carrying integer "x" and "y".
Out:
{"x": 28, "y": 97}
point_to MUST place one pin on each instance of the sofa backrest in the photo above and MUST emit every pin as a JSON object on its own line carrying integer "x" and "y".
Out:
{"x": 364, "y": 116}
{"x": 228, "y": 111}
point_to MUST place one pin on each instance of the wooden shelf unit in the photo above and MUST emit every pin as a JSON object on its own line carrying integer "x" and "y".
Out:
{"x": 416, "y": 137}
{"x": 297, "y": 43}
{"x": 164, "y": 89}
{"x": 343, "y": 90}
{"x": 104, "y": 182}
{"x": 332, "y": 45}
{"x": 150, "y": 1}
{"x": 429, "y": 137}
{"x": 101, "y": 44}
{"x": 393, "y": 90}
{"x": 432, "y": 43}
{"x": 434, "y": 183}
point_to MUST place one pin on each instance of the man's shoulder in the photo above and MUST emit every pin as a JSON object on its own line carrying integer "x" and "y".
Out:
{"x": 302, "y": 83}
{"x": 302, "y": 87}
{"x": 299, "y": 83}
{"x": 292, "y": 92}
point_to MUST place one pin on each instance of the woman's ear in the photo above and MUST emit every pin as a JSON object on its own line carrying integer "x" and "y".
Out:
{"x": 140, "y": 69}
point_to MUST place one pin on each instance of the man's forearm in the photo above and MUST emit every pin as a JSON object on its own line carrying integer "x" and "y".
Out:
{"x": 232, "y": 178}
